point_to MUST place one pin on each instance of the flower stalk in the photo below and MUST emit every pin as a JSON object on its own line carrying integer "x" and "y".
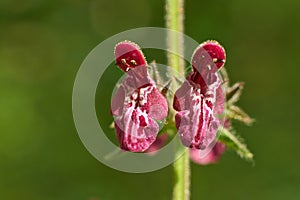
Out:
{"x": 174, "y": 21}
{"x": 181, "y": 189}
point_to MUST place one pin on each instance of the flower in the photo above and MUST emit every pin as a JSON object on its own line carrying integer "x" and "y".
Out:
{"x": 200, "y": 99}
{"x": 212, "y": 157}
{"x": 214, "y": 154}
{"x": 137, "y": 102}
{"x": 160, "y": 141}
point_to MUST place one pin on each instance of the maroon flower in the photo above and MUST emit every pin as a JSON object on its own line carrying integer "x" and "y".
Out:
{"x": 212, "y": 157}
{"x": 137, "y": 102}
{"x": 160, "y": 141}
{"x": 200, "y": 99}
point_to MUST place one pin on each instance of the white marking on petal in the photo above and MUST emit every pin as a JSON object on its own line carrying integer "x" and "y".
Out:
{"x": 134, "y": 95}
{"x": 144, "y": 92}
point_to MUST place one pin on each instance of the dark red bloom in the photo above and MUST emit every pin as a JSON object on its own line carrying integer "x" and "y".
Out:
{"x": 212, "y": 157}
{"x": 209, "y": 56}
{"x": 137, "y": 102}
{"x": 215, "y": 153}
{"x": 159, "y": 143}
{"x": 200, "y": 99}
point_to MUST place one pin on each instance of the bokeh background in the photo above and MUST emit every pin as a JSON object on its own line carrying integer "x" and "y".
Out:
{"x": 43, "y": 43}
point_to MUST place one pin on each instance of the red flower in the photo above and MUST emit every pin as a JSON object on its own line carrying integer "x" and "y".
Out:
{"x": 200, "y": 99}
{"x": 212, "y": 157}
{"x": 158, "y": 144}
{"x": 137, "y": 102}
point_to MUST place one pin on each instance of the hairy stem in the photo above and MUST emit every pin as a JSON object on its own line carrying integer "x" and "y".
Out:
{"x": 174, "y": 21}
{"x": 181, "y": 189}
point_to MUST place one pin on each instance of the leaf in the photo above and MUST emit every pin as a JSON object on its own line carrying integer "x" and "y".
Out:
{"x": 235, "y": 142}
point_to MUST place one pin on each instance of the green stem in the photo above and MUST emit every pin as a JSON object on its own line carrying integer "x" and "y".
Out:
{"x": 174, "y": 21}
{"x": 181, "y": 189}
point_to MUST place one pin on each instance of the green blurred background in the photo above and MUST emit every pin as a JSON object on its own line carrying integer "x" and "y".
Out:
{"x": 42, "y": 44}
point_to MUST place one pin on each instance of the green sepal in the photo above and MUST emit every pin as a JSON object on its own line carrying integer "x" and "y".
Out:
{"x": 234, "y": 142}
{"x": 236, "y": 113}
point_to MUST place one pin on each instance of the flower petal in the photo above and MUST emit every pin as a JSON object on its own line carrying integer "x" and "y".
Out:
{"x": 212, "y": 157}
{"x": 208, "y": 56}
{"x": 117, "y": 103}
{"x": 128, "y": 56}
{"x": 135, "y": 130}
{"x": 159, "y": 143}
